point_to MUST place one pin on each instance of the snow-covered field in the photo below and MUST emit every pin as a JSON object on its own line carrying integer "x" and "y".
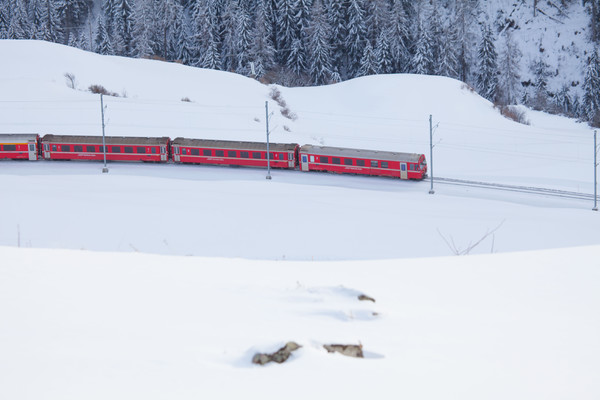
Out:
{"x": 284, "y": 259}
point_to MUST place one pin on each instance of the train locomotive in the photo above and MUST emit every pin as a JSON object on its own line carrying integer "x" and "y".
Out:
{"x": 292, "y": 156}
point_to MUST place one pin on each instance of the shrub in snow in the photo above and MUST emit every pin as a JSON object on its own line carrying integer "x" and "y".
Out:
{"x": 99, "y": 89}
{"x": 350, "y": 350}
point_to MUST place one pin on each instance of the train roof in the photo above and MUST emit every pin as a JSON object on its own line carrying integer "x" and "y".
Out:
{"x": 17, "y": 137}
{"x": 360, "y": 153}
{"x": 131, "y": 140}
{"x": 230, "y": 144}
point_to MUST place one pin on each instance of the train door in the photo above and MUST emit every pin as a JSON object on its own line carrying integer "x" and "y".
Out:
{"x": 46, "y": 150}
{"x": 176, "y": 156}
{"x": 163, "y": 153}
{"x": 291, "y": 160}
{"x": 403, "y": 171}
{"x": 31, "y": 150}
{"x": 304, "y": 162}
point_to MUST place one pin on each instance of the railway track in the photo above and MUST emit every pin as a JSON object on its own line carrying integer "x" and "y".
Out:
{"x": 516, "y": 188}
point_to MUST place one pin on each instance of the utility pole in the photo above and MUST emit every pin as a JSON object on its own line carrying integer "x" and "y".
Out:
{"x": 105, "y": 169}
{"x": 268, "y": 154}
{"x": 595, "y": 172}
{"x": 431, "y": 191}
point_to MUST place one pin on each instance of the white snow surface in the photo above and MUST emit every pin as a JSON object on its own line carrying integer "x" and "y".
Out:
{"x": 84, "y": 314}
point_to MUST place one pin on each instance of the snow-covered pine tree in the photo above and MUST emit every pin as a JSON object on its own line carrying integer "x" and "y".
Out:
{"x": 540, "y": 70}
{"x": 368, "y": 63}
{"x": 4, "y": 20}
{"x": 143, "y": 27}
{"x": 18, "y": 27}
{"x": 243, "y": 42}
{"x": 562, "y": 101}
{"x": 212, "y": 57}
{"x": 591, "y": 90}
{"x": 337, "y": 17}
{"x": 262, "y": 50}
{"x": 51, "y": 30}
{"x": 400, "y": 38}
{"x": 422, "y": 61}
{"x": 356, "y": 38}
{"x": 377, "y": 18}
{"x": 383, "y": 54}
{"x": 296, "y": 62}
{"x": 287, "y": 29}
{"x": 123, "y": 23}
{"x": 447, "y": 64}
{"x": 319, "y": 49}
{"x": 487, "y": 74}
{"x": 464, "y": 19}
{"x": 35, "y": 19}
{"x": 102, "y": 41}
{"x": 72, "y": 14}
{"x": 436, "y": 33}
{"x": 509, "y": 66}
{"x": 184, "y": 45}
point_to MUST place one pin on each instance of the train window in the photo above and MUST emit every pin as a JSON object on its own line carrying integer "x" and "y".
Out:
{"x": 231, "y": 154}
{"x": 384, "y": 164}
{"x": 100, "y": 149}
{"x": 360, "y": 163}
{"x": 312, "y": 158}
{"x": 256, "y": 154}
{"x": 324, "y": 160}
{"x": 32, "y": 147}
{"x": 128, "y": 149}
{"x": 53, "y": 147}
{"x": 153, "y": 149}
{"x": 244, "y": 154}
{"x": 65, "y": 147}
{"x": 90, "y": 149}
{"x": 195, "y": 152}
{"x": 219, "y": 153}
{"x": 78, "y": 149}
{"x": 412, "y": 167}
{"x": 46, "y": 147}
{"x": 116, "y": 149}
{"x": 347, "y": 161}
{"x": 10, "y": 147}
{"x": 207, "y": 152}
{"x": 335, "y": 160}
{"x": 141, "y": 150}
{"x": 373, "y": 164}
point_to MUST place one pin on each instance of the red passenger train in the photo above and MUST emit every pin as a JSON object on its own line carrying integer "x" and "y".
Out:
{"x": 215, "y": 152}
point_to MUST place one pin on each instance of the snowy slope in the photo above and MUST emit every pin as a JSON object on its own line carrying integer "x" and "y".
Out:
{"x": 100, "y": 325}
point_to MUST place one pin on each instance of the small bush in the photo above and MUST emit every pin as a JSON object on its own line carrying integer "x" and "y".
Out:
{"x": 186, "y": 100}
{"x": 99, "y": 89}
{"x": 71, "y": 81}
{"x": 289, "y": 114}
{"x": 514, "y": 113}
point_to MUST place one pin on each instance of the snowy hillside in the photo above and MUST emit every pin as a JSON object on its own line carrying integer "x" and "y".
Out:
{"x": 162, "y": 281}
{"x": 473, "y": 141}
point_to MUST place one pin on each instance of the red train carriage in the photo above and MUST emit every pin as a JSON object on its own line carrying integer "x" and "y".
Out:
{"x": 60, "y": 147}
{"x": 224, "y": 152}
{"x": 364, "y": 162}
{"x": 19, "y": 146}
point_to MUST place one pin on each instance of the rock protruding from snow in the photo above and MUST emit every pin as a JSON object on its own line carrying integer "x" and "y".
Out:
{"x": 350, "y": 350}
{"x": 279, "y": 356}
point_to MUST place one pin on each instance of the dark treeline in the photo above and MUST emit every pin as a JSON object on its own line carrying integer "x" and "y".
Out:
{"x": 314, "y": 42}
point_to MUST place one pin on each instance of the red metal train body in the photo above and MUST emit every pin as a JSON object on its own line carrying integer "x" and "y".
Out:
{"x": 215, "y": 152}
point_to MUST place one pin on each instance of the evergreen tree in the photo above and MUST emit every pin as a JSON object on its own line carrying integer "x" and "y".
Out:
{"x": 464, "y": 18}
{"x": 123, "y": 23}
{"x": 337, "y": 17}
{"x": 143, "y": 28}
{"x": 509, "y": 64}
{"x": 102, "y": 42}
{"x": 591, "y": 89}
{"x": 3, "y": 20}
{"x": 383, "y": 54}
{"x": 487, "y": 76}
{"x": 368, "y": 63}
{"x": 400, "y": 37}
{"x": 422, "y": 61}
{"x": 357, "y": 36}
{"x": 51, "y": 30}
{"x": 262, "y": 51}
{"x": 562, "y": 101}
{"x": 243, "y": 42}
{"x": 212, "y": 58}
{"x": 18, "y": 28}
{"x": 287, "y": 29}
{"x": 541, "y": 74}
{"x": 377, "y": 18}
{"x": 320, "y": 67}
{"x": 447, "y": 63}
{"x": 436, "y": 33}
{"x": 296, "y": 62}
{"x": 72, "y": 14}
{"x": 35, "y": 19}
